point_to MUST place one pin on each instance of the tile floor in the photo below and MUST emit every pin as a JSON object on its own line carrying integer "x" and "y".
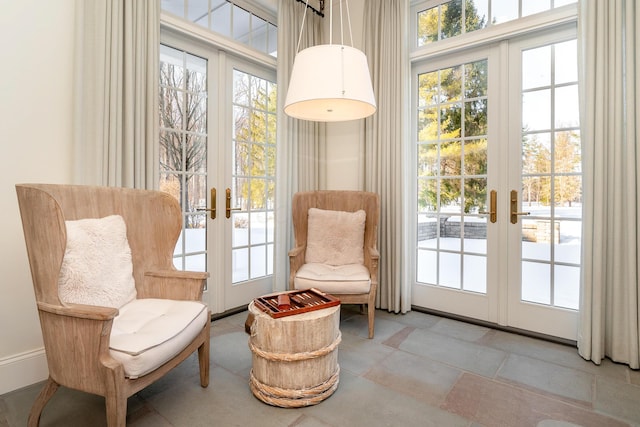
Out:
{"x": 419, "y": 370}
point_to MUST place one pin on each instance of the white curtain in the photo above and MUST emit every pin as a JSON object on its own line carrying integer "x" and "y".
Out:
{"x": 301, "y": 148}
{"x": 385, "y": 44}
{"x": 116, "y": 113}
{"x": 609, "y": 66}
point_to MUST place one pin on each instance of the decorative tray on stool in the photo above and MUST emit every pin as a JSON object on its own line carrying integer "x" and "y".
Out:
{"x": 295, "y": 302}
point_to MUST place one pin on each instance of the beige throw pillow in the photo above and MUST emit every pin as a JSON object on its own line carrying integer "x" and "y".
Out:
{"x": 97, "y": 267}
{"x": 335, "y": 237}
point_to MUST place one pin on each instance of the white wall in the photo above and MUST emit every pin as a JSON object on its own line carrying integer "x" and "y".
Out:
{"x": 36, "y": 85}
{"x": 344, "y": 139}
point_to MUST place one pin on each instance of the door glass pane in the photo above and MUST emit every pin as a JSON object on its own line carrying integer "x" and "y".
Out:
{"x": 183, "y": 148}
{"x": 551, "y": 177}
{"x": 253, "y": 176}
{"x": 452, "y": 177}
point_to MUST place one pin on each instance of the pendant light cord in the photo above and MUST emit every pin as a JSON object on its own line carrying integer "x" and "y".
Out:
{"x": 304, "y": 18}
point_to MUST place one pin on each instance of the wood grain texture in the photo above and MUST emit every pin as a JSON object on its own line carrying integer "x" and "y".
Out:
{"x": 76, "y": 337}
{"x": 348, "y": 201}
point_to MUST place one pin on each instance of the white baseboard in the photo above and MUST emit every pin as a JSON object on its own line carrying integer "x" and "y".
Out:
{"x": 23, "y": 369}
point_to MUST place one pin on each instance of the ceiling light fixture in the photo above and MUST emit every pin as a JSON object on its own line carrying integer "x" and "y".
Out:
{"x": 330, "y": 82}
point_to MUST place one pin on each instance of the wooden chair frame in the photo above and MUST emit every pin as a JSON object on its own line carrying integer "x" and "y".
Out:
{"x": 76, "y": 337}
{"x": 349, "y": 201}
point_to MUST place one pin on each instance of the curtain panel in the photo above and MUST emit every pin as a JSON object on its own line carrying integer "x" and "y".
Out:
{"x": 609, "y": 40}
{"x": 301, "y": 149}
{"x": 385, "y": 44}
{"x": 116, "y": 93}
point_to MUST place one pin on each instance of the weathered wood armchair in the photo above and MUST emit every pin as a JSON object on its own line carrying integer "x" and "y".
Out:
{"x": 336, "y": 251}
{"x": 115, "y": 314}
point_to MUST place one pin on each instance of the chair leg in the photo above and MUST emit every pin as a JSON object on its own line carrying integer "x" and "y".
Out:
{"x": 371, "y": 313}
{"x": 203, "y": 360}
{"x": 43, "y": 397}
{"x": 116, "y": 410}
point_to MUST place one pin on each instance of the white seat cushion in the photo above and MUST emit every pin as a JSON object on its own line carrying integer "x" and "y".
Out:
{"x": 149, "y": 332}
{"x": 334, "y": 279}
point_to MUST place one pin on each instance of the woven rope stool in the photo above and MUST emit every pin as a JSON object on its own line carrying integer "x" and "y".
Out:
{"x": 295, "y": 358}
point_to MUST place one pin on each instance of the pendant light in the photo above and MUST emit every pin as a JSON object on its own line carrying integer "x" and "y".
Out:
{"x": 330, "y": 82}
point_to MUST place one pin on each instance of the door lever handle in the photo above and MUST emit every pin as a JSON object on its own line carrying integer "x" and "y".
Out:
{"x": 213, "y": 205}
{"x": 514, "y": 208}
{"x": 228, "y": 202}
{"x": 493, "y": 207}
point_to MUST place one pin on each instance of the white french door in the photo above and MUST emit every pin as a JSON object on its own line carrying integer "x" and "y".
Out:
{"x": 498, "y": 183}
{"x": 545, "y": 185}
{"x": 456, "y": 170}
{"x": 217, "y": 157}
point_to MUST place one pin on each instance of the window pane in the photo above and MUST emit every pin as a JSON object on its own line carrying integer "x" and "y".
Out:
{"x": 536, "y": 67}
{"x": 567, "y": 286}
{"x": 259, "y": 33}
{"x": 428, "y": 26}
{"x": 475, "y": 273}
{"x": 536, "y": 154}
{"x": 535, "y": 279}
{"x": 241, "y": 24}
{"x": 221, "y": 18}
{"x": 197, "y": 12}
{"x": 567, "y": 107}
{"x": 272, "y": 45}
{"x": 535, "y": 106}
{"x": 504, "y": 10}
{"x": 427, "y": 160}
{"x": 451, "y": 19}
{"x": 475, "y": 79}
{"x": 451, "y": 84}
{"x": 475, "y": 118}
{"x": 566, "y": 57}
{"x": 475, "y": 157}
{"x": 477, "y": 14}
{"x": 529, "y": 7}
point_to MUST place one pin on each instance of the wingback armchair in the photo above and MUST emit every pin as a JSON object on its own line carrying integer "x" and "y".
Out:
{"x": 114, "y": 312}
{"x": 336, "y": 234}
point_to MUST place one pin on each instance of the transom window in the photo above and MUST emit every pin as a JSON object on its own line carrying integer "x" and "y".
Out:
{"x": 230, "y": 20}
{"x": 443, "y": 19}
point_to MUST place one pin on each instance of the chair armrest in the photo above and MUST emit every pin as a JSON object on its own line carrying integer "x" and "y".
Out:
{"x": 296, "y": 260}
{"x": 76, "y": 326}
{"x": 81, "y": 311}
{"x": 173, "y": 284}
{"x": 371, "y": 258}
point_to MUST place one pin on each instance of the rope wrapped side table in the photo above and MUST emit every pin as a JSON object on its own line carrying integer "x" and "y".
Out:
{"x": 295, "y": 358}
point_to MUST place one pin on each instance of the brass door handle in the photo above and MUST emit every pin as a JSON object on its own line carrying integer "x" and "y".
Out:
{"x": 514, "y": 208}
{"x": 493, "y": 204}
{"x": 228, "y": 203}
{"x": 213, "y": 205}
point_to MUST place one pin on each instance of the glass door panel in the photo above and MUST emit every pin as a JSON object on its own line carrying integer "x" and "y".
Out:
{"x": 452, "y": 181}
{"x": 545, "y": 283}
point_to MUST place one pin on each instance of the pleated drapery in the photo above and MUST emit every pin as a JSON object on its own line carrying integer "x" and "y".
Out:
{"x": 385, "y": 45}
{"x": 301, "y": 144}
{"x": 609, "y": 40}
{"x": 116, "y": 99}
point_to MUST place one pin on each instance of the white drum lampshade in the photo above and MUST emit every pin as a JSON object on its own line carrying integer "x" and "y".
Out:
{"x": 330, "y": 83}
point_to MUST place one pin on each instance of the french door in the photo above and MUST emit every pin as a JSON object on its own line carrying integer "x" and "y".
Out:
{"x": 498, "y": 184}
{"x": 217, "y": 157}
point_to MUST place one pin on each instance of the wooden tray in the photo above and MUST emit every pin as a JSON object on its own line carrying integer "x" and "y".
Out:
{"x": 301, "y": 301}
